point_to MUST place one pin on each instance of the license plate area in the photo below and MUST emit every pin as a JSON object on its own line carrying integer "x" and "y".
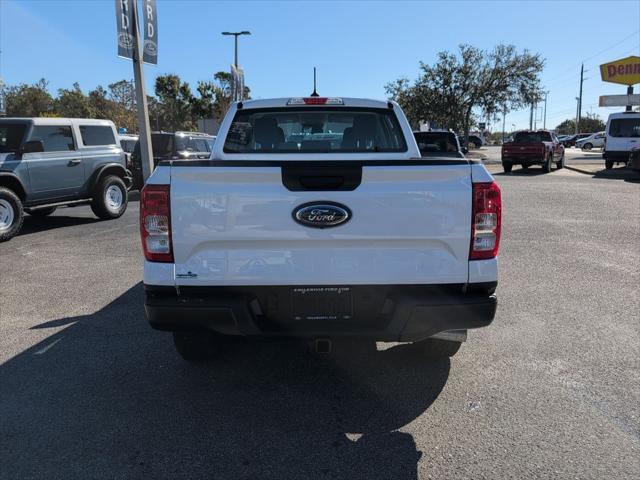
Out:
{"x": 321, "y": 303}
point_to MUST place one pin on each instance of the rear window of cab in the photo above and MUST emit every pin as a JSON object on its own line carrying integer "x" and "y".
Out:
{"x": 315, "y": 130}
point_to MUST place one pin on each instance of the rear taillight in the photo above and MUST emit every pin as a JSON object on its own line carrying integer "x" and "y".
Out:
{"x": 486, "y": 221}
{"x": 155, "y": 223}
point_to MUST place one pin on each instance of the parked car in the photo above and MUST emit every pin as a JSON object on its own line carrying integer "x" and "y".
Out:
{"x": 282, "y": 234}
{"x": 474, "y": 141}
{"x": 539, "y": 147}
{"x": 128, "y": 144}
{"x": 622, "y": 135}
{"x": 46, "y": 163}
{"x": 172, "y": 146}
{"x": 439, "y": 144}
{"x": 571, "y": 140}
{"x": 595, "y": 140}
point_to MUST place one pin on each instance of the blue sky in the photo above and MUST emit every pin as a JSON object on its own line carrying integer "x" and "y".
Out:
{"x": 357, "y": 46}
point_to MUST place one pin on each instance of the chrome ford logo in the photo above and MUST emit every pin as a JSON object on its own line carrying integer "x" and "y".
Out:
{"x": 321, "y": 214}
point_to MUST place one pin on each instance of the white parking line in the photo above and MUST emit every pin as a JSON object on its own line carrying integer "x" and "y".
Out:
{"x": 45, "y": 349}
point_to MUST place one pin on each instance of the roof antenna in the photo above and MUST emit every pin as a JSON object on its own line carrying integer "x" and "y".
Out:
{"x": 315, "y": 93}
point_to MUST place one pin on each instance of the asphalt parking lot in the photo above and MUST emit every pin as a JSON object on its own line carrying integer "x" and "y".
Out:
{"x": 550, "y": 390}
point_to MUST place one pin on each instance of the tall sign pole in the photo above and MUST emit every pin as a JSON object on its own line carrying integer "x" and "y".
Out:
{"x": 130, "y": 46}
{"x": 237, "y": 74}
{"x": 146, "y": 150}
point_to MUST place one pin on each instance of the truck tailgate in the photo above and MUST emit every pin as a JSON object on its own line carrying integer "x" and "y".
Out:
{"x": 523, "y": 150}
{"x": 233, "y": 225}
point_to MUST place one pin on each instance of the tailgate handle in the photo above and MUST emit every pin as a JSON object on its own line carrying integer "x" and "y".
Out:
{"x": 321, "y": 183}
{"x": 321, "y": 178}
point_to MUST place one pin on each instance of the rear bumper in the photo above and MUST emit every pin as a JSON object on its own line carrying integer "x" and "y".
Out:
{"x": 380, "y": 312}
{"x": 616, "y": 156}
{"x": 523, "y": 160}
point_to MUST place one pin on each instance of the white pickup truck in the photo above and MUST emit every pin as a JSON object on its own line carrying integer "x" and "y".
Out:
{"x": 317, "y": 218}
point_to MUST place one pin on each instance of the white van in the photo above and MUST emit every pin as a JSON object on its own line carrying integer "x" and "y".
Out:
{"x": 622, "y": 134}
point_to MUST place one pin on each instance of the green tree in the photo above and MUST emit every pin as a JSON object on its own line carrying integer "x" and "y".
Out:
{"x": 472, "y": 81}
{"x": 99, "y": 104}
{"x": 29, "y": 100}
{"x": 123, "y": 105}
{"x": 221, "y": 88}
{"x": 176, "y": 101}
{"x": 588, "y": 124}
{"x": 72, "y": 103}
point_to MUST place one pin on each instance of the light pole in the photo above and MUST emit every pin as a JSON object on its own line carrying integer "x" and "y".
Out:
{"x": 236, "y": 35}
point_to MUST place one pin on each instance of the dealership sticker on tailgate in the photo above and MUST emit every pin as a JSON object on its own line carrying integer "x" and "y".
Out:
{"x": 321, "y": 303}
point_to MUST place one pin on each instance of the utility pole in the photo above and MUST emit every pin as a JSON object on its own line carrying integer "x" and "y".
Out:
{"x": 504, "y": 118}
{"x": 236, "y": 35}
{"x": 580, "y": 99}
{"x": 629, "y": 92}
{"x": 544, "y": 123}
{"x": 531, "y": 118}
{"x": 577, "y": 114}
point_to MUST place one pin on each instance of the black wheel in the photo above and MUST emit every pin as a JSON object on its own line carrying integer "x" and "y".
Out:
{"x": 436, "y": 348}
{"x": 587, "y": 146}
{"x": 109, "y": 198}
{"x": 560, "y": 163}
{"x": 11, "y": 216}
{"x": 196, "y": 346}
{"x": 42, "y": 212}
{"x": 507, "y": 166}
{"x": 525, "y": 167}
{"x": 546, "y": 166}
{"x": 608, "y": 164}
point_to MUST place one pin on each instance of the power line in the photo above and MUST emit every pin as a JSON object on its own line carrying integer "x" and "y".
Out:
{"x": 575, "y": 66}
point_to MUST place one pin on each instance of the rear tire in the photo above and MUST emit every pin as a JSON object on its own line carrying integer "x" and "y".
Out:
{"x": 524, "y": 167}
{"x": 109, "y": 198}
{"x": 436, "y": 348}
{"x": 587, "y": 146}
{"x": 546, "y": 166}
{"x": 196, "y": 346}
{"x": 608, "y": 164}
{"x": 42, "y": 212}
{"x": 11, "y": 214}
{"x": 507, "y": 166}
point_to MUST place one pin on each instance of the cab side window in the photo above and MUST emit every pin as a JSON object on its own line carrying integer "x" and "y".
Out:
{"x": 200, "y": 145}
{"x": 93, "y": 135}
{"x": 54, "y": 138}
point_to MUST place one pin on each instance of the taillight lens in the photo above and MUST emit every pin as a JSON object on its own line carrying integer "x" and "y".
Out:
{"x": 486, "y": 221}
{"x": 155, "y": 223}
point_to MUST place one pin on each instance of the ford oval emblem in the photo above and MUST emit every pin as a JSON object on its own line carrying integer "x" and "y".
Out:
{"x": 321, "y": 214}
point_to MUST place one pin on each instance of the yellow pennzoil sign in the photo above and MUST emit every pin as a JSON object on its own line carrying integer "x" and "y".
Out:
{"x": 625, "y": 71}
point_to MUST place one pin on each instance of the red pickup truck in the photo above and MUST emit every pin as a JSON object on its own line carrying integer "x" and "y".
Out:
{"x": 540, "y": 147}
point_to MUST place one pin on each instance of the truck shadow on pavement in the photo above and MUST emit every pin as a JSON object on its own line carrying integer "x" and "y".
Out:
{"x": 42, "y": 224}
{"x": 522, "y": 172}
{"x": 106, "y": 396}
{"x": 619, "y": 173}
